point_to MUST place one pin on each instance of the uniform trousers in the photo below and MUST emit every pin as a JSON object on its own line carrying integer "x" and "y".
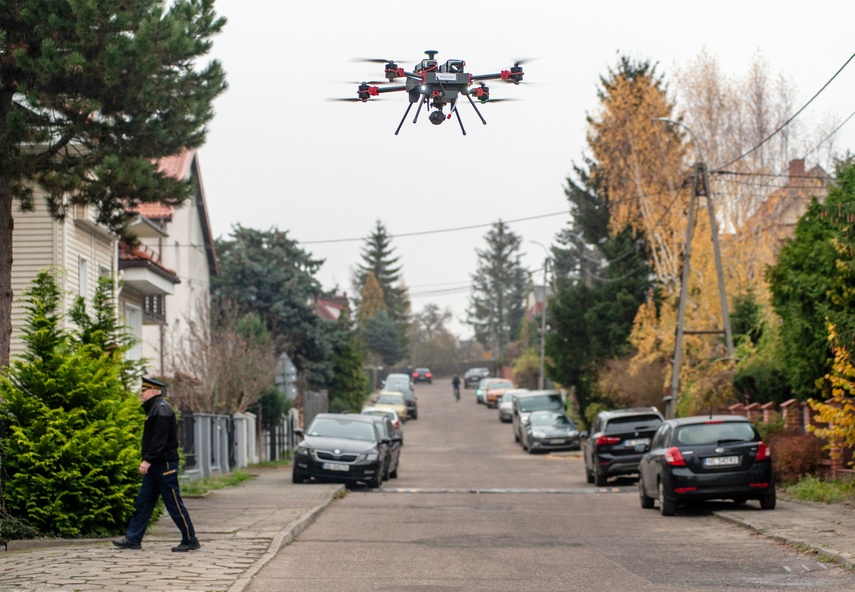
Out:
{"x": 160, "y": 480}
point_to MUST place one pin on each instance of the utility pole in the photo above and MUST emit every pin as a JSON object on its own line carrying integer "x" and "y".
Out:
{"x": 700, "y": 187}
{"x": 541, "y": 378}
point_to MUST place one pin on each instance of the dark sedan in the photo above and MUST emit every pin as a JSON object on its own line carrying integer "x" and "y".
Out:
{"x": 473, "y": 376}
{"x": 342, "y": 447}
{"x": 423, "y": 375}
{"x": 703, "y": 458}
{"x": 549, "y": 430}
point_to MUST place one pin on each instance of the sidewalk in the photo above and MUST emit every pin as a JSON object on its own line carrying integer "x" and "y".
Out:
{"x": 826, "y": 529}
{"x": 240, "y": 529}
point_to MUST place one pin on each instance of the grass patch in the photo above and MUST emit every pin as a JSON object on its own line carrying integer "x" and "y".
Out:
{"x": 810, "y": 488}
{"x": 201, "y": 486}
{"x": 273, "y": 463}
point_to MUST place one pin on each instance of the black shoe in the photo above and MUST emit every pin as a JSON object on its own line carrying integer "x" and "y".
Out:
{"x": 126, "y": 544}
{"x": 184, "y": 547}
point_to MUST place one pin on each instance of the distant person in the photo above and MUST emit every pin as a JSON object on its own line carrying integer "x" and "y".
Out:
{"x": 159, "y": 468}
{"x": 455, "y": 383}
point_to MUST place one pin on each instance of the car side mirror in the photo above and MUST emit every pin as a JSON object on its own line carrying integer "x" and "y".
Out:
{"x": 386, "y": 440}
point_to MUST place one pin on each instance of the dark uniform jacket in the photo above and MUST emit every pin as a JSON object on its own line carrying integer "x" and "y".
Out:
{"x": 160, "y": 433}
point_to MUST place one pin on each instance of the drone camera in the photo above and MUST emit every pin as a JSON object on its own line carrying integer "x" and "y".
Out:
{"x": 436, "y": 117}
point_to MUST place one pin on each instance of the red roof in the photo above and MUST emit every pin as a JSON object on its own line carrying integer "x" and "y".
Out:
{"x": 176, "y": 166}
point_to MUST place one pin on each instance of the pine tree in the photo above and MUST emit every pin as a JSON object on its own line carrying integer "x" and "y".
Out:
{"x": 72, "y": 446}
{"x": 91, "y": 94}
{"x": 497, "y": 307}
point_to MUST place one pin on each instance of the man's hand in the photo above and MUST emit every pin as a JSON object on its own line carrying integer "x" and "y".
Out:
{"x": 144, "y": 465}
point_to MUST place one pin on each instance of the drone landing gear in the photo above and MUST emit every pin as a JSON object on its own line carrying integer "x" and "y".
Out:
{"x": 410, "y": 106}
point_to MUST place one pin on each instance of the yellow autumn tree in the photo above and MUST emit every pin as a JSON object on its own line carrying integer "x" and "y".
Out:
{"x": 371, "y": 300}
{"x": 838, "y": 412}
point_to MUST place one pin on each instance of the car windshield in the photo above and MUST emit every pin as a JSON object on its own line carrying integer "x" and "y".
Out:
{"x": 391, "y": 399}
{"x": 541, "y": 403}
{"x": 638, "y": 422}
{"x": 380, "y": 413}
{"x": 341, "y": 428}
{"x": 550, "y": 419}
{"x": 507, "y": 397}
{"x": 500, "y": 384}
{"x": 714, "y": 433}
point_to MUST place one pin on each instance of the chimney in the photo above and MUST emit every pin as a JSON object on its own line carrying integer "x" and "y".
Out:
{"x": 797, "y": 168}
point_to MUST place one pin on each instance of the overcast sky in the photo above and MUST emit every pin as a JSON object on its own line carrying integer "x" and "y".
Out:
{"x": 279, "y": 155}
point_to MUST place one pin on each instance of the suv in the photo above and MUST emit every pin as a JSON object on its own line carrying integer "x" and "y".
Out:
{"x": 617, "y": 442}
{"x": 473, "y": 376}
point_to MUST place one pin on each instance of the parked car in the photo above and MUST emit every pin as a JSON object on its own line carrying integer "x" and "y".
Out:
{"x": 341, "y": 447}
{"x": 397, "y": 423}
{"x": 397, "y": 378}
{"x": 423, "y": 375}
{"x": 704, "y": 458}
{"x": 506, "y": 403}
{"x": 549, "y": 430}
{"x": 494, "y": 389}
{"x": 393, "y": 400}
{"x": 409, "y": 397}
{"x": 473, "y": 376}
{"x": 480, "y": 390}
{"x": 617, "y": 442}
{"x": 525, "y": 403}
{"x": 393, "y": 450}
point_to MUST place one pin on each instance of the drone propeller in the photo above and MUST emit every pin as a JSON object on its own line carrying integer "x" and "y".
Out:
{"x": 376, "y": 60}
{"x": 523, "y": 61}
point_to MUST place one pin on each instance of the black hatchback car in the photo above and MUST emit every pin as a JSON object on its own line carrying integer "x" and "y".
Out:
{"x": 342, "y": 447}
{"x": 704, "y": 458}
{"x": 618, "y": 440}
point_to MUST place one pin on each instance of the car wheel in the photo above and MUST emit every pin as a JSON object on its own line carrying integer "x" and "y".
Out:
{"x": 297, "y": 476}
{"x": 667, "y": 507}
{"x": 646, "y": 501}
{"x": 767, "y": 502}
{"x": 516, "y": 437}
{"x": 394, "y": 474}
{"x": 589, "y": 476}
{"x": 739, "y": 501}
{"x": 376, "y": 480}
{"x": 386, "y": 474}
{"x": 600, "y": 478}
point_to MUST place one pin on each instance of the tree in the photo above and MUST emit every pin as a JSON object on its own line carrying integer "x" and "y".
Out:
{"x": 91, "y": 94}
{"x": 349, "y": 385}
{"x": 379, "y": 261}
{"x": 812, "y": 284}
{"x": 431, "y": 343}
{"x": 71, "y": 449}
{"x": 267, "y": 273}
{"x": 496, "y": 307}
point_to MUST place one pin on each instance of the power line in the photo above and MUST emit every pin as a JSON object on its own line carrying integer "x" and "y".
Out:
{"x": 786, "y": 123}
{"x": 435, "y": 231}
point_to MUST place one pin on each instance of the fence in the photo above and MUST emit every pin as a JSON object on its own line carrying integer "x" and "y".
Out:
{"x": 797, "y": 416}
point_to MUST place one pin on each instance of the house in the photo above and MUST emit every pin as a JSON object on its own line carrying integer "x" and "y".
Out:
{"x": 182, "y": 241}
{"x": 82, "y": 251}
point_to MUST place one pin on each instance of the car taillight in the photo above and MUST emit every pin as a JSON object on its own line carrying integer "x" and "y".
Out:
{"x": 397, "y": 424}
{"x": 674, "y": 458}
{"x": 763, "y": 452}
{"x": 427, "y": 374}
{"x": 415, "y": 374}
{"x": 607, "y": 440}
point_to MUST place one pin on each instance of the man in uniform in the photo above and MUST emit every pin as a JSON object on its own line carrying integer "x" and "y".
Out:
{"x": 159, "y": 468}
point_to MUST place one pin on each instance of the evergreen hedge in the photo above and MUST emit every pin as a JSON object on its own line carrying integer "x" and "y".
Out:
{"x": 73, "y": 426}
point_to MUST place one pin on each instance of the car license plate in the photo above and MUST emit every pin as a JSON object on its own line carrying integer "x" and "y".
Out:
{"x": 637, "y": 442}
{"x": 721, "y": 461}
{"x": 336, "y": 467}
{"x": 557, "y": 441}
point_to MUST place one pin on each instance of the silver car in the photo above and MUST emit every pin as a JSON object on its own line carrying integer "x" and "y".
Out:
{"x": 506, "y": 404}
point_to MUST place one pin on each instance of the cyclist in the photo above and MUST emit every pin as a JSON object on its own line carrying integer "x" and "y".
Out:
{"x": 455, "y": 382}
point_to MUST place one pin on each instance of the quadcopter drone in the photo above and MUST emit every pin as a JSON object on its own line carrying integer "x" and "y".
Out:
{"x": 436, "y": 86}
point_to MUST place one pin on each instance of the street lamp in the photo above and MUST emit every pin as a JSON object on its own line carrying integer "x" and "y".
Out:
{"x": 702, "y": 173}
{"x": 540, "y": 378}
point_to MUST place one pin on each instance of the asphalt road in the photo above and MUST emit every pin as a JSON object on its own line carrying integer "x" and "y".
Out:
{"x": 472, "y": 511}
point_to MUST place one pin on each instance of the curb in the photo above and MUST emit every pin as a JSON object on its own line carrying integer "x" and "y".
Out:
{"x": 286, "y": 536}
{"x": 839, "y": 557}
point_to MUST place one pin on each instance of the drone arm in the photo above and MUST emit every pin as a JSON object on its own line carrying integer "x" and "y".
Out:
{"x": 506, "y": 75}
{"x": 385, "y": 89}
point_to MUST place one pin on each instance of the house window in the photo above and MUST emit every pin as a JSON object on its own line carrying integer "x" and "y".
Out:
{"x": 83, "y": 277}
{"x": 133, "y": 325}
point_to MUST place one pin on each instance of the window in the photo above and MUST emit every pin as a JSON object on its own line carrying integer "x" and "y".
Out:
{"x": 83, "y": 277}
{"x": 133, "y": 324}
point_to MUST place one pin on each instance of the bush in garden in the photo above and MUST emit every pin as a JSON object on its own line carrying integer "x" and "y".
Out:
{"x": 71, "y": 448}
{"x": 794, "y": 455}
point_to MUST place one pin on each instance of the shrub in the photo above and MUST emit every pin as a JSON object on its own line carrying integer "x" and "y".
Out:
{"x": 72, "y": 443}
{"x": 794, "y": 455}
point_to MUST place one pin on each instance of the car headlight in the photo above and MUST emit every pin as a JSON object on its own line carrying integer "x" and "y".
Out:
{"x": 303, "y": 450}
{"x": 538, "y": 433}
{"x": 573, "y": 433}
{"x": 370, "y": 456}
{"x": 524, "y": 419}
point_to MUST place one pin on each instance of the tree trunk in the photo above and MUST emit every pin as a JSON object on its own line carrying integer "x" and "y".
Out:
{"x": 7, "y": 225}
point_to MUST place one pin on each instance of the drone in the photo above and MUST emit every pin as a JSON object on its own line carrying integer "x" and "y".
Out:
{"x": 436, "y": 86}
